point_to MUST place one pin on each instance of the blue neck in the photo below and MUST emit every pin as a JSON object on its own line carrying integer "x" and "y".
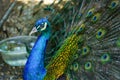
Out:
{"x": 35, "y": 63}
{"x": 36, "y": 57}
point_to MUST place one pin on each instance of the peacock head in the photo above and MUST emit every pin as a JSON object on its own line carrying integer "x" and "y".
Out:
{"x": 42, "y": 25}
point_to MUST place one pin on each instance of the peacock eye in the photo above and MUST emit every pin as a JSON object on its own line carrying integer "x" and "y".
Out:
{"x": 82, "y": 27}
{"x": 90, "y": 12}
{"x": 113, "y": 4}
{"x": 85, "y": 50}
{"x": 105, "y": 58}
{"x": 75, "y": 56}
{"x": 95, "y": 17}
{"x": 42, "y": 25}
{"x": 75, "y": 66}
{"x": 100, "y": 33}
{"x": 88, "y": 66}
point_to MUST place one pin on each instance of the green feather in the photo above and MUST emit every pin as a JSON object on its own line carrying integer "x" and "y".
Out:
{"x": 90, "y": 12}
{"x": 96, "y": 17}
{"x": 114, "y": 4}
{"x": 88, "y": 66}
{"x": 100, "y": 33}
{"x": 105, "y": 58}
{"x": 85, "y": 50}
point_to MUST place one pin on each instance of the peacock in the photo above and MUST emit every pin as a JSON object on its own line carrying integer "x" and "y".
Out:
{"x": 90, "y": 47}
{"x": 85, "y": 38}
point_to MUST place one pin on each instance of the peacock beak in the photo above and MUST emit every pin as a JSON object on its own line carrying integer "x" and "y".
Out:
{"x": 33, "y": 31}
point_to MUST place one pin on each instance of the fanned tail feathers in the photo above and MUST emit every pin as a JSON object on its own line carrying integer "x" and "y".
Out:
{"x": 98, "y": 57}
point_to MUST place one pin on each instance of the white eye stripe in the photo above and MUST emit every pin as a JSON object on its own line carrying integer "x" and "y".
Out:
{"x": 38, "y": 27}
{"x": 45, "y": 25}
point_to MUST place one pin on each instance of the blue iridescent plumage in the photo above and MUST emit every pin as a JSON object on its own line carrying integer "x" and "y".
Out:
{"x": 34, "y": 68}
